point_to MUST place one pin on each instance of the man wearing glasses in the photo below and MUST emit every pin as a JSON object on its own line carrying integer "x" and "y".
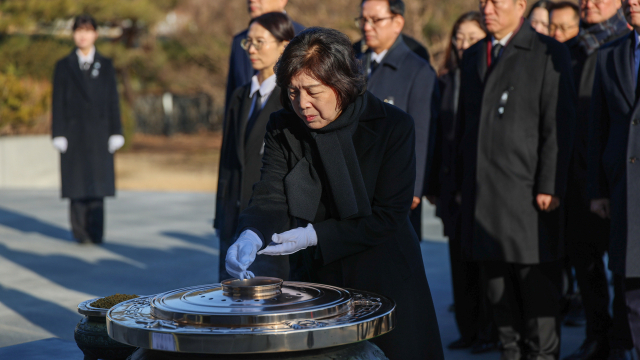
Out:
{"x": 400, "y": 77}
{"x": 564, "y": 21}
{"x": 586, "y": 234}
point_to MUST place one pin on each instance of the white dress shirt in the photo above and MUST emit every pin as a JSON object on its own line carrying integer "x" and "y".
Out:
{"x": 377, "y": 58}
{"x": 82, "y": 58}
{"x": 266, "y": 88}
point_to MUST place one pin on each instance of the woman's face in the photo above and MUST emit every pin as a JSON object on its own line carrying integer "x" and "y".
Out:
{"x": 469, "y": 33}
{"x": 540, "y": 20}
{"x": 313, "y": 102}
{"x": 270, "y": 48}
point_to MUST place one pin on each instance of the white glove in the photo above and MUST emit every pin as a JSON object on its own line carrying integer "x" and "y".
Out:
{"x": 242, "y": 254}
{"x": 291, "y": 241}
{"x": 115, "y": 143}
{"x": 60, "y": 143}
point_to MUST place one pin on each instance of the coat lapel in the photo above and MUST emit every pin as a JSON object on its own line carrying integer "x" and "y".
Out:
{"x": 624, "y": 70}
{"x": 74, "y": 67}
{"x": 481, "y": 62}
{"x": 272, "y": 105}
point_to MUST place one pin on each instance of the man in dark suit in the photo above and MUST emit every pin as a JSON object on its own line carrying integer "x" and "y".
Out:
{"x": 613, "y": 161}
{"x": 86, "y": 130}
{"x": 587, "y": 235}
{"x": 360, "y": 47}
{"x": 516, "y": 119}
{"x": 240, "y": 70}
{"x": 400, "y": 77}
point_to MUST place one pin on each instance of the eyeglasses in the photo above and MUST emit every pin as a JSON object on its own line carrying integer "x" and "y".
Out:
{"x": 247, "y": 43}
{"x": 561, "y": 28}
{"x": 594, "y": 2}
{"x": 360, "y": 21}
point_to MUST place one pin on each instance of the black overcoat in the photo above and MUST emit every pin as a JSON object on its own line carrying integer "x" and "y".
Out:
{"x": 614, "y": 150}
{"x": 379, "y": 252}
{"x": 86, "y": 111}
{"x": 517, "y": 120}
{"x": 240, "y": 162}
{"x": 412, "y": 84}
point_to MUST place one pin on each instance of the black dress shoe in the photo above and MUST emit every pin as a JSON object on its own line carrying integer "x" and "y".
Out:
{"x": 590, "y": 350}
{"x": 484, "y": 346}
{"x": 621, "y": 354}
{"x": 461, "y": 343}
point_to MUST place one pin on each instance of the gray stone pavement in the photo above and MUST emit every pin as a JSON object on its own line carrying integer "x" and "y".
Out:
{"x": 154, "y": 242}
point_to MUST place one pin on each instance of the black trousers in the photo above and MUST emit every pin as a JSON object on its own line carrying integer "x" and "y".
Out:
{"x": 87, "y": 219}
{"x": 587, "y": 239}
{"x": 524, "y": 301}
{"x": 625, "y": 331}
{"x": 415, "y": 216}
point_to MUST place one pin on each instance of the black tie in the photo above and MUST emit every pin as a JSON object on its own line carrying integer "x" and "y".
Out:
{"x": 257, "y": 108}
{"x": 374, "y": 66}
{"x": 495, "y": 52}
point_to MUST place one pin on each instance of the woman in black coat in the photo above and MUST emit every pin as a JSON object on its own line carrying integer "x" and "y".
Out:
{"x": 336, "y": 187}
{"x": 86, "y": 130}
{"x": 243, "y": 135}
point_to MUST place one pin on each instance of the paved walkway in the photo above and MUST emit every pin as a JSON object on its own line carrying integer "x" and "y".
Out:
{"x": 154, "y": 242}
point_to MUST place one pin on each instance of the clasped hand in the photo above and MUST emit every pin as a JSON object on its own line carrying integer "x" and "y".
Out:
{"x": 242, "y": 254}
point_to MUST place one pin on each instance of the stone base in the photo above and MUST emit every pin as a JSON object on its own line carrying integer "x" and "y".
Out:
{"x": 359, "y": 351}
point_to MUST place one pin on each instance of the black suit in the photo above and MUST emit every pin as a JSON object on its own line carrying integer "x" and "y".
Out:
{"x": 240, "y": 162}
{"x": 516, "y": 118}
{"x": 86, "y": 111}
{"x": 613, "y": 168}
{"x": 378, "y": 252}
{"x": 587, "y": 235}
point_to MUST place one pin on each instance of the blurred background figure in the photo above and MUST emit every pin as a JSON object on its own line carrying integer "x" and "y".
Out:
{"x": 471, "y": 312}
{"x": 240, "y": 68}
{"x": 539, "y": 16}
{"x": 400, "y": 77}
{"x": 86, "y": 130}
{"x": 587, "y": 235}
{"x": 511, "y": 223}
{"x": 244, "y": 128}
{"x": 564, "y": 21}
{"x": 613, "y": 172}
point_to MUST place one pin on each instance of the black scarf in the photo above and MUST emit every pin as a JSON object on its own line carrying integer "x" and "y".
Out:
{"x": 591, "y": 37}
{"x": 342, "y": 169}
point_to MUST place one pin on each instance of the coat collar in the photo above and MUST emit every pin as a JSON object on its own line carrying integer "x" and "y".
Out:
{"x": 523, "y": 39}
{"x": 623, "y": 60}
{"x": 72, "y": 63}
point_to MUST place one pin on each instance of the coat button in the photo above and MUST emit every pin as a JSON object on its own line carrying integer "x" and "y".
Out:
{"x": 633, "y": 159}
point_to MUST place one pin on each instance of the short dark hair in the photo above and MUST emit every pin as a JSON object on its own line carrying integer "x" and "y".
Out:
{"x": 278, "y": 24}
{"x": 84, "y": 21}
{"x": 395, "y": 6}
{"x": 327, "y": 56}
{"x": 542, "y": 4}
{"x": 566, "y": 5}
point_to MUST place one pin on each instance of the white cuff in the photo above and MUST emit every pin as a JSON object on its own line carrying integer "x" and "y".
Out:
{"x": 253, "y": 237}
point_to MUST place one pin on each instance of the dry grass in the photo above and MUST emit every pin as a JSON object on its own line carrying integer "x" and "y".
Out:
{"x": 178, "y": 163}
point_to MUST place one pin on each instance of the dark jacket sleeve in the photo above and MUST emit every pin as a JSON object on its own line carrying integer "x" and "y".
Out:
{"x": 58, "y": 121}
{"x": 268, "y": 211}
{"x": 115, "y": 124}
{"x": 391, "y": 201}
{"x": 423, "y": 106}
{"x": 557, "y": 123}
{"x": 598, "y": 135}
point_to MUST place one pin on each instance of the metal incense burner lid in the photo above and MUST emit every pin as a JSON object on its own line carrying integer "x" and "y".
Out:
{"x": 251, "y": 316}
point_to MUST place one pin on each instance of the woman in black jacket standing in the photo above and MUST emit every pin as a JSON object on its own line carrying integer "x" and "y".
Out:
{"x": 336, "y": 187}
{"x": 243, "y": 134}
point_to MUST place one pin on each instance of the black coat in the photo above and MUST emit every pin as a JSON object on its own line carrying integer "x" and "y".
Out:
{"x": 86, "y": 111}
{"x": 240, "y": 161}
{"x": 517, "y": 120}
{"x": 379, "y": 252}
{"x": 442, "y": 182}
{"x": 412, "y": 84}
{"x": 240, "y": 69}
{"x": 614, "y": 150}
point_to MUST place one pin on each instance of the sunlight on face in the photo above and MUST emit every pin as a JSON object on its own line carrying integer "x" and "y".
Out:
{"x": 270, "y": 47}
{"x": 468, "y": 34}
{"x": 315, "y": 103}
